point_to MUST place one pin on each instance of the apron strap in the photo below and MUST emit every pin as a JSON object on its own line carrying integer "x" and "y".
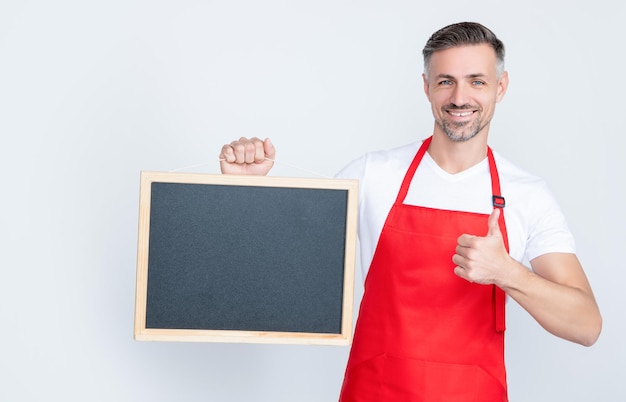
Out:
{"x": 408, "y": 177}
{"x": 499, "y": 296}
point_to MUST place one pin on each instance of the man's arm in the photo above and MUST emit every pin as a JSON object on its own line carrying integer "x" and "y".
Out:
{"x": 556, "y": 292}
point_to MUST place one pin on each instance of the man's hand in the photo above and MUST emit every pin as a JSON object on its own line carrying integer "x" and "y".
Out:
{"x": 483, "y": 260}
{"x": 247, "y": 156}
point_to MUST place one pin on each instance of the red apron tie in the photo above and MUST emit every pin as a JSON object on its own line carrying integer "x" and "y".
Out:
{"x": 499, "y": 295}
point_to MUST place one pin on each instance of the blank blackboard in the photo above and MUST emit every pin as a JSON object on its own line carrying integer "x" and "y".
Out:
{"x": 245, "y": 259}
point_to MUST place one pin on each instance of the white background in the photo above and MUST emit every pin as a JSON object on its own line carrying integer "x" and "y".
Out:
{"x": 93, "y": 92}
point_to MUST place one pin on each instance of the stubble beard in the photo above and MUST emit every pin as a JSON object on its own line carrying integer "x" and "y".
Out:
{"x": 460, "y": 132}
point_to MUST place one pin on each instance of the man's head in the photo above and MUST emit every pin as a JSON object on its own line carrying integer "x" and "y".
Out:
{"x": 464, "y": 78}
{"x": 462, "y": 34}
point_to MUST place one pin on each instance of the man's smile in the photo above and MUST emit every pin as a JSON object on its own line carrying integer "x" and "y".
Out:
{"x": 460, "y": 114}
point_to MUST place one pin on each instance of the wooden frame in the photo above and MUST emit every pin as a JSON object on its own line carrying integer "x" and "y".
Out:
{"x": 144, "y": 332}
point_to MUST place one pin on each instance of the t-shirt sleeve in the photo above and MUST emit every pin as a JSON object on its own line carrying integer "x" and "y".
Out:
{"x": 353, "y": 170}
{"x": 548, "y": 229}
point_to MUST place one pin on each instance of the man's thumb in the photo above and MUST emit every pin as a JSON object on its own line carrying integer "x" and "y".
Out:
{"x": 493, "y": 223}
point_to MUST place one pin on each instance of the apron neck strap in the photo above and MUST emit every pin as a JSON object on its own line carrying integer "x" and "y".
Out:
{"x": 404, "y": 188}
{"x": 497, "y": 198}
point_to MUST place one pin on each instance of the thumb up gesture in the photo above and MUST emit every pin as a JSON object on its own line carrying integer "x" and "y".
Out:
{"x": 483, "y": 259}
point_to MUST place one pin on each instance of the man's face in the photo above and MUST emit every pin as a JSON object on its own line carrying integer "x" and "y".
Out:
{"x": 463, "y": 88}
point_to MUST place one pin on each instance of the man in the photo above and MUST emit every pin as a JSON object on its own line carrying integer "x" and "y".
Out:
{"x": 441, "y": 254}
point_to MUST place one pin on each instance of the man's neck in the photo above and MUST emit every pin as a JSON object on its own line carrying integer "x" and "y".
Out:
{"x": 455, "y": 157}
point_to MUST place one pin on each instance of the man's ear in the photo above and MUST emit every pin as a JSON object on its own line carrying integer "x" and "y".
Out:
{"x": 503, "y": 85}
{"x": 426, "y": 86}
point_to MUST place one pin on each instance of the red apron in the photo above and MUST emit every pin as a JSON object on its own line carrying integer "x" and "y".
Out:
{"x": 423, "y": 333}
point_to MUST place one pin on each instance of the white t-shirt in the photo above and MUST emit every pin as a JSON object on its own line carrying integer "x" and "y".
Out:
{"x": 534, "y": 221}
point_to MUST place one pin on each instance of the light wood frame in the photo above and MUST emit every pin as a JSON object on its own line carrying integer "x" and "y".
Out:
{"x": 142, "y": 333}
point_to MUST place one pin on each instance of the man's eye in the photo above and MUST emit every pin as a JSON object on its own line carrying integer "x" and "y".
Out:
{"x": 478, "y": 83}
{"x": 445, "y": 82}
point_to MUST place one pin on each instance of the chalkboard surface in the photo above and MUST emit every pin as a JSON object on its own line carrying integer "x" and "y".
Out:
{"x": 245, "y": 259}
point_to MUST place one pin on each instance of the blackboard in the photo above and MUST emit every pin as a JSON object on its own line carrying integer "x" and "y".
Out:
{"x": 225, "y": 258}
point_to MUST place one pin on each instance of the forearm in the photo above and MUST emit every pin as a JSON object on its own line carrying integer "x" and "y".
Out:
{"x": 568, "y": 311}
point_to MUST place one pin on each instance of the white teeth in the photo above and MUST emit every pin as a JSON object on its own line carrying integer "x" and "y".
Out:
{"x": 459, "y": 114}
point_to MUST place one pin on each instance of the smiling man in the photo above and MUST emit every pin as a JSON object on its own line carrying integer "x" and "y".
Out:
{"x": 444, "y": 225}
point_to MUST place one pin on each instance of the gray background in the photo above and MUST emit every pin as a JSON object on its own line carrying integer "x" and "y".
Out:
{"x": 93, "y": 92}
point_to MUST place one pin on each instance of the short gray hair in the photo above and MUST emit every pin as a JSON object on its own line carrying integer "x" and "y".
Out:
{"x": 460, "y": 34}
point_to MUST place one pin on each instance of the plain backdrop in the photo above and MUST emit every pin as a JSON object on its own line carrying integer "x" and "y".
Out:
{"x": 93, "y": 92}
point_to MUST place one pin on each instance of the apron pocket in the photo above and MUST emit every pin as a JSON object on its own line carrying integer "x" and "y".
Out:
{"x": 422, "y": 381}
